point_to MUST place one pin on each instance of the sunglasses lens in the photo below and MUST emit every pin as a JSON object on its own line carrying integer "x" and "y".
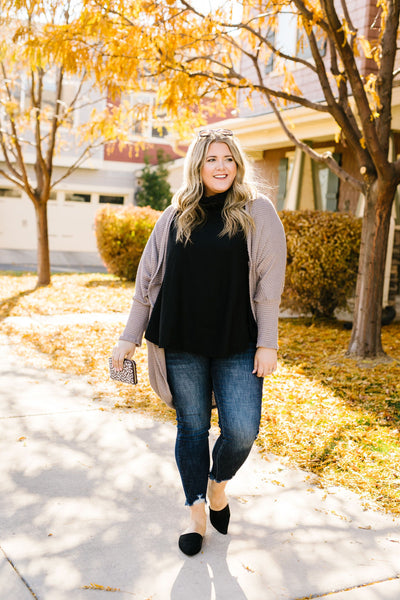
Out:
{"x": 227, "y": 132}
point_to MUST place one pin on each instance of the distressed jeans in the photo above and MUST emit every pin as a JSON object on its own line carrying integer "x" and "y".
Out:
{"x": 238, "y": 394}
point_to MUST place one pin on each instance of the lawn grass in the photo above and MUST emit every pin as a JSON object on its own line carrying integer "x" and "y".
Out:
{"x": 335, "y": 417}
{"x": 72, "y": 293}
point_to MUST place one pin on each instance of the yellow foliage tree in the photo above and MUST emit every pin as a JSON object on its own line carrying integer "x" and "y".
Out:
{"x": 47, "y": 75}
{"x": 213, "y": 54}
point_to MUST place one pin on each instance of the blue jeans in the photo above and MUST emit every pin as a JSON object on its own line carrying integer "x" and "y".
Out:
{"x": 238, "y": 394}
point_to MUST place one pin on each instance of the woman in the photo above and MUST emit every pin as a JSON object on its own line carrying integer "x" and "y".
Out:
{"x": 207, "y": 296}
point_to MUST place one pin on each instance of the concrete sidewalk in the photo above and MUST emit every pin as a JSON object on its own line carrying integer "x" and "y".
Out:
{"x": 91, "y": 497}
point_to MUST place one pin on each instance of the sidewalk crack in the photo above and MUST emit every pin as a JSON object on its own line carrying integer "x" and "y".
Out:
{"x": 26, "y": 584}
{"x": 348, "y": 589}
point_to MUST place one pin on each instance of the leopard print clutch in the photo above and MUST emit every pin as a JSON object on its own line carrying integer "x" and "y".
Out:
{"x": 128, "y": 373}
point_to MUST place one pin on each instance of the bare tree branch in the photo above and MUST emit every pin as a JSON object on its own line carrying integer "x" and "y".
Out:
{"x": 15, "y": 142}
{"x": 359, "y": 94}
{"x": 85, "y": 154}
{"x": 348, "y": 19}
{"x": 54, "y": 127}
{"x": 325, "y": 158}
{"x": 36, "y": 98}
{"x": 15, "y": 181}
{"x": 7, "y": 159}
{"x": 385, "y": 74}
{"x": 261, "y": 37}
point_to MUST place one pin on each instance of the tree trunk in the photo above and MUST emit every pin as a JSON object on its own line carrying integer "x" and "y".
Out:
{"x": 366, "y": 333}
{"x": 43, "y": 253}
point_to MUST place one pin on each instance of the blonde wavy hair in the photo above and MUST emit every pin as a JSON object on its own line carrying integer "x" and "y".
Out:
{"x": 186, "y": 200}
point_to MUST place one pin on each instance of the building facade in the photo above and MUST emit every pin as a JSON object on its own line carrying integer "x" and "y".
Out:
{"x": 107, "y": 177}
{"x": 296, "y": 181}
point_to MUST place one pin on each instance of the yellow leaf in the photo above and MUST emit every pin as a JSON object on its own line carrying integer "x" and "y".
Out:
{"x": 95, "y": 586}
{"x": 366, "y": 46}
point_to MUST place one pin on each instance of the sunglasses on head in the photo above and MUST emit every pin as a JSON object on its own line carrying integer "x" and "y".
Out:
{"x": 215, "y": 133}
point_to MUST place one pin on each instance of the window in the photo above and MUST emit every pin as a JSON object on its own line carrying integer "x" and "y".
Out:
{"x": 10, "y": 193}
{"x": 104, "y": 199}
{"x": 159, "y": 131}
{"x": 49, "y": 93}
{"x": 67, "y": 96}
{"x": 285, "y": 38}
{"x": 75, "y": 197}
{"x": 17, "y": 88}
{"x": 326, "y": 185}
{"x": 270, "y": 37}
{"x": 282, "y": 182}
{"x": 291, "y": 38}
{"x": 303, "y": 49}
{"x": 21, "y": 92}
{"x": 150, "y": 123}
{"x": 138, "y": 128}
{"x": 306, "y": 184}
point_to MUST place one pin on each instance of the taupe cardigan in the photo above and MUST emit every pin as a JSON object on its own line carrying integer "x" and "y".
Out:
{"x": 267, "y": 261}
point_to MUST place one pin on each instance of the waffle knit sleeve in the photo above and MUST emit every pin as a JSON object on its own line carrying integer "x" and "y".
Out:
{"x": 148, "y": 280}
{"x": 268, "y": 264}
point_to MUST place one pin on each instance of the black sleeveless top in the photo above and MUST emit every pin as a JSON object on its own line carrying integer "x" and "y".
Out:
{"x": 203, "y": 306}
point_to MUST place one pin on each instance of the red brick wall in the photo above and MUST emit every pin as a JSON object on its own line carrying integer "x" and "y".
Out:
{"x": 136, "y": 154}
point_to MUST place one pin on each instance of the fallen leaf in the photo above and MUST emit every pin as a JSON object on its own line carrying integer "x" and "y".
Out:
{"x": 95, "y": 586}
{"x": 248, "y": 568}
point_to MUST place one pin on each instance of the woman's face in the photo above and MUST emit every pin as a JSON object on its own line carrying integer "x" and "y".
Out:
{"x": 219, "y": 169}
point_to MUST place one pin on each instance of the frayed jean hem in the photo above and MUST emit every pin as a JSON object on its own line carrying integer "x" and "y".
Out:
{"x": 199, "y": 500}
{"x": 214, "y": 478}
{"x": 238, "y": 393}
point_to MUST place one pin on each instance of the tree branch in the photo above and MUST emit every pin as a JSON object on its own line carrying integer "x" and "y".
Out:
{"x": 7, "y": 160}
{"x": 15, "y": 139}
{"x": 16, "y": 182}
{"x": 54, "y": 127}
{"x": 87, "y": 153}
{"x": 325, "y": 158}
{"x": 339, "y": 110}
{"x": 246, "y": 27}
{"x": 347, "y": 17}
{"x": 386, "y": 75}
{"x": 372, "y": 141}
{"x": 40, "y": 165}
{"x": 226, "y": 79}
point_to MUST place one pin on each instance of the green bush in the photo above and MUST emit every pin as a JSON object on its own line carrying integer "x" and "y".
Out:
{"x": 322, "y": 264}
{"x": 122, "y": 233}
{"x": 154, "y": 189}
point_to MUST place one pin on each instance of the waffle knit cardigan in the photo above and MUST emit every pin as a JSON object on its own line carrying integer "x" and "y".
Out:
{"x": 267, "y": 261}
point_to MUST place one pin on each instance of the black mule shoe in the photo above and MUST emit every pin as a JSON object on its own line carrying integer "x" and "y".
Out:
{"x": 220, "y": 519}
{"x": 190, "y": 543}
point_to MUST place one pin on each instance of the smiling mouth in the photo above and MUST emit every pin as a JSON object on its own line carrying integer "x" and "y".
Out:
{"x": 220, "y": 176}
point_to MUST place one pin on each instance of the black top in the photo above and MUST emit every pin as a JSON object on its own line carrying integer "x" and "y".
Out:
{"x": 203, "y": 306}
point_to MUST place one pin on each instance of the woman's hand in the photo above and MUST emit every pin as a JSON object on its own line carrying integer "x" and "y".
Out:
{"x": 265, "y": 361}
{"x": 122, "y": 350}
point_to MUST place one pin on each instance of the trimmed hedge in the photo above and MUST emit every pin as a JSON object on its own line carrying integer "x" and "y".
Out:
{"x": 322, "y": 263}
{"x": 122, "y": 233}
